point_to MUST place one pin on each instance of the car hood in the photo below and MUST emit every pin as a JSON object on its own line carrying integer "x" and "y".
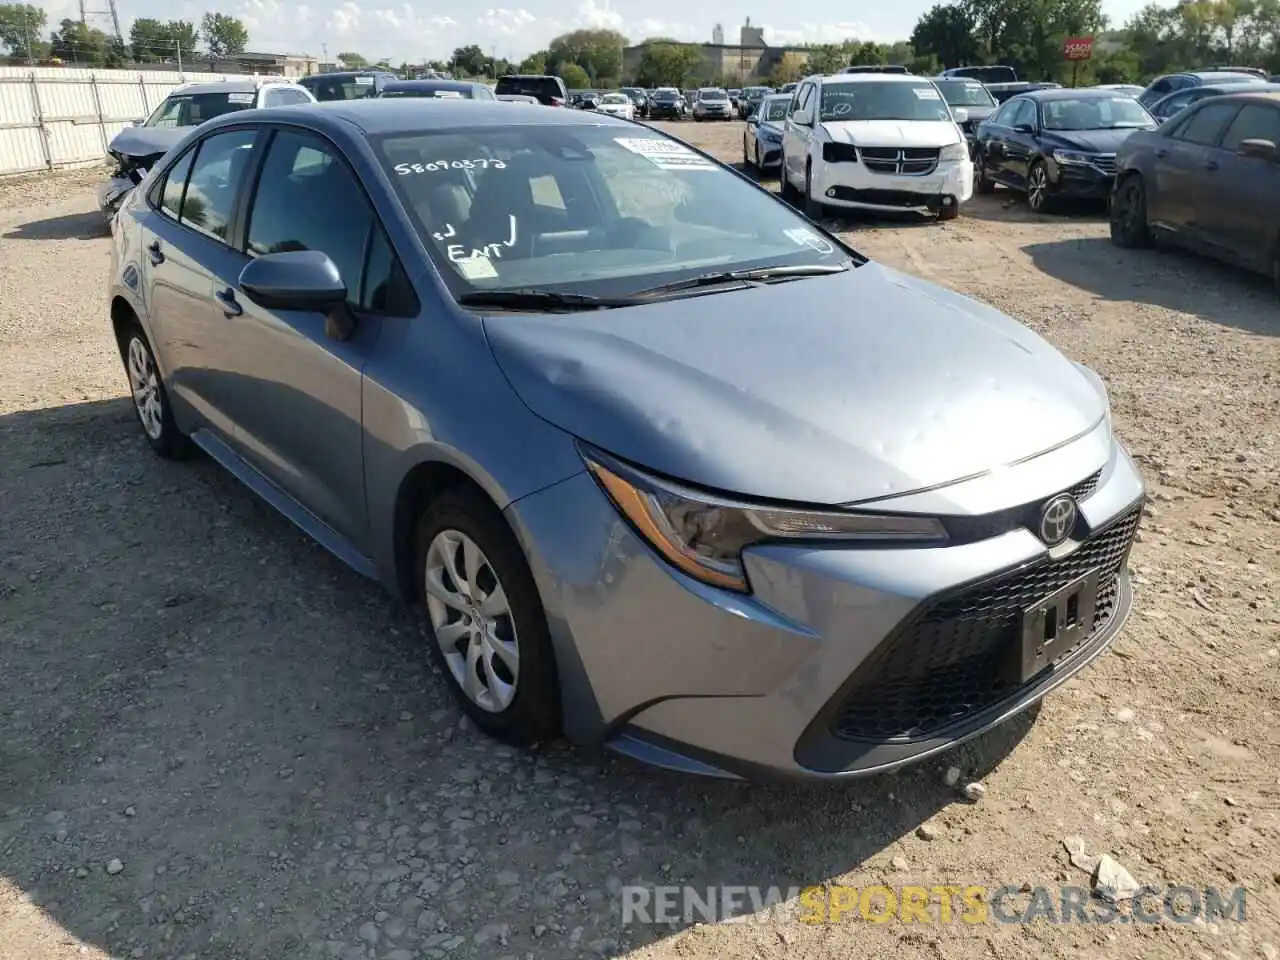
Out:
{"x": 893, "y": 133}
{"x": 826, "y": 390}
{"x": 145, "y": 141}
{"x": 1092, "y": 141}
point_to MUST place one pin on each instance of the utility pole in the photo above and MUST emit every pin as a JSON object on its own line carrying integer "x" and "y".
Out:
{"x": 178, "y": 46}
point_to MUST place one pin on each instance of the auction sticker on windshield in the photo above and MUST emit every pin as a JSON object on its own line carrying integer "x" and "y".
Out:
{"x": 665, "y": 154}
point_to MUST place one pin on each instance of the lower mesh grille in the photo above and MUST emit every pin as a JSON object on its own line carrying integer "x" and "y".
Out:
{"x": 950, "y": 663}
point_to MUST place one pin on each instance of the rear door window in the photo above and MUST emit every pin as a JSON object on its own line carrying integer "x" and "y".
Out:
{"x": 217, "y": 175}
{"x": 1205, "y": 125}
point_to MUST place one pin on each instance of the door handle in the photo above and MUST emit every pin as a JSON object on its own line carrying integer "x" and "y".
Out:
{"x": 230, "y": 305}
{"x": 1211, "y": 164}
{"x": 155, "y": 253}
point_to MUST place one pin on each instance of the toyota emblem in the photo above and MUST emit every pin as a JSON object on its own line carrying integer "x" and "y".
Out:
{"x": 1058, "y": 519}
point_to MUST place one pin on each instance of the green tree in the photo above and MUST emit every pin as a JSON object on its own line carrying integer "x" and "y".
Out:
{"x": 20, "y": 27}
{"x": 598, "y": 52}
{"x": 948, "y": 31}
{"x": 224, "y": 35}
{"x": 828, "y": 58}
{"x": 469, "y": 61}
{"x": 667, "y": 64}
{"x": 74, "y": 42}
{"x": 534, "y": 63}
{"x": 353, "y": 61}
{"x": 574, "y": 77}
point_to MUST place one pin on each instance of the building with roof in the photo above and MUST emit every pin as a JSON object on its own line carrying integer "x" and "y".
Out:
{"x": 750, "y": 59}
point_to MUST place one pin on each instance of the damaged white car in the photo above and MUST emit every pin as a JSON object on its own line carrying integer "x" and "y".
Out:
{"x": 136, "y": 149}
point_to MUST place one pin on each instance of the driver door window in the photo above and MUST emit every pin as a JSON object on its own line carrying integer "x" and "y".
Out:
{"x": 1024, "y": 114}
{"x": 802, "y": 106}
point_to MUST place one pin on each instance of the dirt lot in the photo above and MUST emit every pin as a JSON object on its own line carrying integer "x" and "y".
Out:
{"x": 190, "y": 688}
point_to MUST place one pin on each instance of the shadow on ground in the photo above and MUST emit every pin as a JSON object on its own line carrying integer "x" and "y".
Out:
{"x": 192, "y": 688}
{"x": 1171, "y": 278}
{"x": 73, "y": 226}
{"x": 1006, "y": 206}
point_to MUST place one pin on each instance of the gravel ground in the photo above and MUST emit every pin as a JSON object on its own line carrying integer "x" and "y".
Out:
{"x": 216, "y": 742}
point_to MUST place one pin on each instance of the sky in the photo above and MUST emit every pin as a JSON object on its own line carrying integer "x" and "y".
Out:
{"x": 418, "y": 31}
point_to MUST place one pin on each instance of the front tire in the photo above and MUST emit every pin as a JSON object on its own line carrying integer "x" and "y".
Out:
{"x": 746, "y": 155}
{"x": 949, "y": 213}
{"x": 487, "y": 627}
{"x": 1038, "y": 198}
{"x": 150, "y": 398}
{"x": 812, "y": 208}
{"x": 983, "y": 185}
{"x": 785, "y": 189}
{"x": 1129, "y": 226}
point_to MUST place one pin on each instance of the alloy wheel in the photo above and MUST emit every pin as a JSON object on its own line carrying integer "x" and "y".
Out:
{"x": 472, "y": 621}
{"x": 1037, "y": 188}
{"x": 144, "y": 383}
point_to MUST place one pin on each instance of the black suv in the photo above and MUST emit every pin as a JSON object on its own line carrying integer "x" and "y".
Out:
{"x": 549, "y": 91}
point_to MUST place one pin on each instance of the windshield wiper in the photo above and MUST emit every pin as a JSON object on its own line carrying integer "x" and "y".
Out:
{"x": 759, "y": 275}
{"x": 545, "y": 300}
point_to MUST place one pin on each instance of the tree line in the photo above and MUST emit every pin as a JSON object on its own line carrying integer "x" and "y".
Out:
{"x": 23, "y": 39}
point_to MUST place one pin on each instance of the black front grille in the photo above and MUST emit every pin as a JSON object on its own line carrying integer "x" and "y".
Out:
{"x": 1106, "y": 162}
{"x": 904, "y": 161}
{"x": 887, "y": 198}
{"x": 1084, "y": 489}
{"x": 952, "y": 660}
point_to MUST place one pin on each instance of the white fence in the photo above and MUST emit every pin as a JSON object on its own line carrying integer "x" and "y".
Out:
{"x": 53, "y": 117}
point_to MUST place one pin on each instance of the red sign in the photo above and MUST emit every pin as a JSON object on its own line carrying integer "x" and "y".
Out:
{"x": 1077, "y": 48}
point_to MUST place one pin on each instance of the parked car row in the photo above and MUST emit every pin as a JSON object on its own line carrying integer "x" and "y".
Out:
{"x": 666, "y": 466}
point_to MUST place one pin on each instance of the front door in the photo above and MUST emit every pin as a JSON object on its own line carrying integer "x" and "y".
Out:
{"x": 302, "y": 423}
{"x": 797, "y": 134}
{"x": 1185, "y": 165}
{"x": 1240, "y": 202}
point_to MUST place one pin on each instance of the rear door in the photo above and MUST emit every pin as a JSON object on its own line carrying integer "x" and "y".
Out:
{"x": 188, "y": 262}
{"x": 1241, "y": 196}
{"x": 1184, "y": 163}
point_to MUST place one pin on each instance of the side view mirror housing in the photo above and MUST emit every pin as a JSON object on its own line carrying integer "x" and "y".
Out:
{"x": 300, "y": 280}
{"x": 1024, "y": 128}
{"x": 1258, "y": 149}
{"x": 961, "y": 115}
{"x": 137, "y": 121}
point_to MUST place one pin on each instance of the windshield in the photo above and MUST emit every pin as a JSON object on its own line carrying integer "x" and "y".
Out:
{"x": 712, "y": 95}
{"x": 340, "y": 88}
{"x": 1112, "y": 113}
{"x": 580, "y": 209}
{"x": 776, "y": 109}
{"x": 191, "y": 110}
{"x": 882, "y": 101}
{"x": 965, "y": 93}
{"x": 438, "y": 93}
{"x": 616, "y": 98}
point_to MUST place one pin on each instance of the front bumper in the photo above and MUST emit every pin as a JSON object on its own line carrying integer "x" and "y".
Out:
{"x": 843, "y": 661}
{"x": 851, "y": 184}
{"x": 1081, "y": 181}
{"x": 770, "y": 153}
{"x": 712, "y": 113}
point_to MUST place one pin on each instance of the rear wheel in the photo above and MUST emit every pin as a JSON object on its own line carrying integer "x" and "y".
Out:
{"x": 1129, "y": 227}
{"x": 150, "y": 399}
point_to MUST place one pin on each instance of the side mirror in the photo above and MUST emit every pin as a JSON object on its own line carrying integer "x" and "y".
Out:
{"x": 300, "y": 280}
{"x": 1258, "y": 149}
{"x": 1024, "y": 128}
{"x": 137, "y": 121}
{"x": 961, "y": 115}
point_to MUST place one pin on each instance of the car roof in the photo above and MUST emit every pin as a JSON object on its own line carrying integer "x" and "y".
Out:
{"x": 1269, "y": 93}
{"x": 429, "y": 85}
{"x": 377, "y": 116}
{"x": 232, "y": 86}
{"x": 1069, "y": 93}
{"x": 1221, "y": 75}
{"x": 344, "y": 74}
{"x": 871, "y": 78}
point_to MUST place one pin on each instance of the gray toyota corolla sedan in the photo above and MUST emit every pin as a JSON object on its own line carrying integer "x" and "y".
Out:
{"x": 668, "y": 467}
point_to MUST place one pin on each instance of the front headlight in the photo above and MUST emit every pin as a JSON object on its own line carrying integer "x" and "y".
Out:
{"x": 954, "y": 152}
{"x": 771, "y": 137}
{"x": 1071, "y": 158}
{"x": 703, "y": 535}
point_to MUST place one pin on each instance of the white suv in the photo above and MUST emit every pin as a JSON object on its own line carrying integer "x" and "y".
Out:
{"x": 875, "y": 141}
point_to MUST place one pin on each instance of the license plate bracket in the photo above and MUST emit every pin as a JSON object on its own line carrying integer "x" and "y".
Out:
{"x": 1056, "y": 623}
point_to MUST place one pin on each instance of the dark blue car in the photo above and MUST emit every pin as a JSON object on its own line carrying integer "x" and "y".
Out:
{"x": 438, "y": 89}
{"x": 1056, "y": 143}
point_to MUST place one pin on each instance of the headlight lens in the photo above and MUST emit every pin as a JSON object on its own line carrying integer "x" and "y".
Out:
{"x": 954, "y": 151}
{"x": 703, "y": 535}
{"x": 1070, "y": 157}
